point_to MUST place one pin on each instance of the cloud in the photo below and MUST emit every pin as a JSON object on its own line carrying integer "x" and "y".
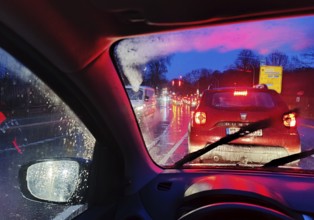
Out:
{"x": 263, "y": 37}
{"x": 286, "y": 35}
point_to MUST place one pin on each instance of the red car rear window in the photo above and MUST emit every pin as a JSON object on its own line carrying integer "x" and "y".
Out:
{"x": 241, "y": 99}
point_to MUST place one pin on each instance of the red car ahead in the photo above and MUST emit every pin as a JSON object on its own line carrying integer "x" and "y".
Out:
{"x": 224, "y": 111}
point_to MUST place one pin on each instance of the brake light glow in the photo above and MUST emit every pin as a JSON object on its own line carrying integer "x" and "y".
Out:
{"x": 289, "y": 120}
{"x": 240, "y": 93}
{"x": 200, "y": 118}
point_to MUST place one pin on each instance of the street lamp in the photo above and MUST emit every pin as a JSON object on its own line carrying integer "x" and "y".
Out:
{"x": 253, "y": 73}
{"x": 253, "y": 70}
{"x": 250, "y": 63}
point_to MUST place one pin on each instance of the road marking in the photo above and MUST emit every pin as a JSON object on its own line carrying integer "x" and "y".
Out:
{"x": 152, "y": 144}
{"x": 174, "y": 148}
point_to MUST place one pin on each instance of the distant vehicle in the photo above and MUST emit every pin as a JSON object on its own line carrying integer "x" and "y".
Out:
{"x": 143, "y": 101}
{"x": 224, "y": 111}
{"x": 186, "y": 100}
{"x": 177, "y": 100}
{"x": 194, "y": 101}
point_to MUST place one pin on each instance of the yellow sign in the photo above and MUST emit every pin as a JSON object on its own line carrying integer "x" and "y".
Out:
{"x": 272, "y": 77}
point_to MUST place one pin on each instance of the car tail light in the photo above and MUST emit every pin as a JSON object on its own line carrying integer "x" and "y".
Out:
{"x": 200, "y": 118}
{"x": 289, "y": 120}
{"x": 240, "y": 93}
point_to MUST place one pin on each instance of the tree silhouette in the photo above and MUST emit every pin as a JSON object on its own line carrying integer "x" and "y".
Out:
{"x": 308, "y": 57}
{"x": 247, "y": 60}
{"x": 296, "y": 63}
{"x": 193, "y": 76}
{"x": 155, "y": 70}
{"x": 277, "y": 58}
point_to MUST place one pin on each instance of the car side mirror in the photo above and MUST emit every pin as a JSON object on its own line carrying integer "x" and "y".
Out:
{"x": 55, "y": 180}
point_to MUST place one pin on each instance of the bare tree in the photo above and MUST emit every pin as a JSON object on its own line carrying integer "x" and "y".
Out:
{"x": 193, "y": 76}
{"x": 277, "y": 58}
{"x": 247, "y": 60}
{"x": 154, "y": 71}
{"x": 296, "y": 63}
{"x": 309, "y": 57}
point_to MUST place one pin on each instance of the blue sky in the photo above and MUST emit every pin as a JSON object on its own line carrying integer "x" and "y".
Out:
{"x": 183, "y": 63}
{"x": 217, "y": 47}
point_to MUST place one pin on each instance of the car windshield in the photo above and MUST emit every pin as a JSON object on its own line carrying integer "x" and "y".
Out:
{"x": 211, "y": 82}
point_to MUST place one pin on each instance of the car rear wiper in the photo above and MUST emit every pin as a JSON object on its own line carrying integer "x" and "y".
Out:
{"x": 287, "y": 159}
{"x": 208, "y": 147}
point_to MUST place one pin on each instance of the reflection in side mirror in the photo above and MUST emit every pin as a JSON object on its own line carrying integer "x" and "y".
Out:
{"x": 53, "y": 180}
{"x": 56, "y": 181}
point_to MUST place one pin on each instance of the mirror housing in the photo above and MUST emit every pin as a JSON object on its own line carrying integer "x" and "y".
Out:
{"x": 60, "y": 181}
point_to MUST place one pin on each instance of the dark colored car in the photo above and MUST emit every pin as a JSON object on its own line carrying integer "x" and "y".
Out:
{"x": 224, "y": 111}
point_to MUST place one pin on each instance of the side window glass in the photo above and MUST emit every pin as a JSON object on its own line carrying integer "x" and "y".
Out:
{"x": 35, "y": 124}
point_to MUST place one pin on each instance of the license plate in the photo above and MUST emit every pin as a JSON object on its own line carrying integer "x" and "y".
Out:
{"x": 257, "y": 133}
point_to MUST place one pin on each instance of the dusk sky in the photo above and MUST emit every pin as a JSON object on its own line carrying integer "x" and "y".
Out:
{"x": 217, "y": 47}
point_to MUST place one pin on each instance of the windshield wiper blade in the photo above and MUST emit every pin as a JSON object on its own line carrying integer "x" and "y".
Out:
{"x": 208, "y": 147}
{"x": 287, "y": 159}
